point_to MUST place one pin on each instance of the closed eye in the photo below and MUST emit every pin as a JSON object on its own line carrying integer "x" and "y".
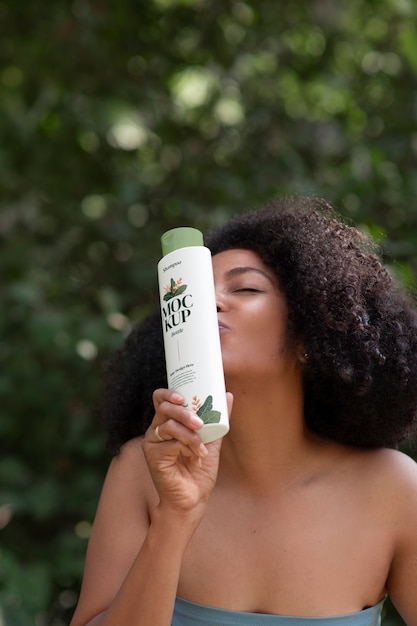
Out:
{"x": 248, "y": 290}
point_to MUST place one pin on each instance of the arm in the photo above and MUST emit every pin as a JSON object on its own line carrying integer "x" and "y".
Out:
{"x": 402, "y": 581}
{"x": 140, "y": 534}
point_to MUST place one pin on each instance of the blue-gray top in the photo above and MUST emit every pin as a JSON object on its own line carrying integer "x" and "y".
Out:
{"x": 191, "y": 614}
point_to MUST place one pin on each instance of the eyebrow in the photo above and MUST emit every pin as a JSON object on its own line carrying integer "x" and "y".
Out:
{"x": 238, "y": 271}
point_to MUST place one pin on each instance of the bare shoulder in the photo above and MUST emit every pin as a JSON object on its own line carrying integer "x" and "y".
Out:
{"x": 395, "y": 466}
{"x": 393, "y": 474}
{"x": 128, "y": 474}
{"x": 130, "y": 457}
{"x": 398, "y": 473}
{"x": 120, "y": 526}
{"x": 126, "y": 497}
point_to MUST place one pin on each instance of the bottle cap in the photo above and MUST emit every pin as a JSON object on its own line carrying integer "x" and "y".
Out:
{"x": 183, "y": 237}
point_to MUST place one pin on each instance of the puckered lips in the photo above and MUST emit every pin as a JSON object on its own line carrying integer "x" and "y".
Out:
{"x": 223, "y": 327}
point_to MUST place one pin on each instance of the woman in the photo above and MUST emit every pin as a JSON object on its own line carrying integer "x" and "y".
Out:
{"x": 305, "y": 509}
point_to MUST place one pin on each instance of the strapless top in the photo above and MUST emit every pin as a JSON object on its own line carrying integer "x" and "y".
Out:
{"x": 188, "y": 613}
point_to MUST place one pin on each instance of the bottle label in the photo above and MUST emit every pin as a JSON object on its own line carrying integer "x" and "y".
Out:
{"x": 178, "y": 306}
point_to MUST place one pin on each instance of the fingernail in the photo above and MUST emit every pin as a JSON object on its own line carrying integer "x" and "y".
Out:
{"x": 176, "y": 397}
{"x": 197, "y": 421}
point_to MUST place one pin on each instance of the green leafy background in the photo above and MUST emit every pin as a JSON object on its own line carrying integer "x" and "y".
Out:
{"x": 119, "y": 120}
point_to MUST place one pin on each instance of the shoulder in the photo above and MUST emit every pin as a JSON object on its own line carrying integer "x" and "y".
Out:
{"x": 392, "y": 470}
{"x": 128, "y": 484}
{"x": 122, "y": 516}
{"x": 403, "y": 482}
{"x": 392, "y": 479}
{"x": 390, "y": 458}
{"x": 120, "y": 526}
{"x": 386, "y": 479}
{"x": 396, "y": 467}
{"x": 130, "y": 456}
{"x": 399, "y": 473}
{"x": 130, "y": 464}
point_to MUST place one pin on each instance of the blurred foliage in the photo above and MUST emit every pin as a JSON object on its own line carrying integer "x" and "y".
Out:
{"x": 118, "y": 121}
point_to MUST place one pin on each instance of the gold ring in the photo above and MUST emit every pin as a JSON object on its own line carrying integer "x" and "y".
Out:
{"x": 157, "y": 435}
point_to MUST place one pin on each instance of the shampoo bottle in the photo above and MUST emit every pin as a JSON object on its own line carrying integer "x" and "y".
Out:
{"x": 190, "y": 329}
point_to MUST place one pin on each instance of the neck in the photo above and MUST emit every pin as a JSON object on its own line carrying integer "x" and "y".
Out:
{"x": 268, "y": 437}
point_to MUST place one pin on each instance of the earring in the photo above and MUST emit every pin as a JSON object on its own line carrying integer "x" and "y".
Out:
{"x": 303, "y": 358}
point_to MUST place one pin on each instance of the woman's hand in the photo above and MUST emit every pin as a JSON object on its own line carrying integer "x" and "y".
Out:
{"x": 183, "y": 469}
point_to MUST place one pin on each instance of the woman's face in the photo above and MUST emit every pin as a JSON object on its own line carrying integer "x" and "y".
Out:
{"x": 252, "y": 313}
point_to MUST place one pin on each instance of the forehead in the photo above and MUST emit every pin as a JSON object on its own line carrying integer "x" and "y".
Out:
{"x": 230, "y": 259}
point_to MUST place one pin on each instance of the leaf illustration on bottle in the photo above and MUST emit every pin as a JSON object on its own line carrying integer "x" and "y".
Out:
{"x": 206, "y": 406}
{"x": 206, "y": 412}
{"x": 211, "y": 417}
{"x": 180, "y": 290}
{"x": 174, "y": 289}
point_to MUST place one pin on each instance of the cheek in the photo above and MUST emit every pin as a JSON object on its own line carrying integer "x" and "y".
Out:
{"x": 262, "y": 337}
{"x": 274, "y": 333}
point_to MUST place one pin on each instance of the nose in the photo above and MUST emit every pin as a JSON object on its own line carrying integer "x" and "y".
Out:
{"x": 220, "y": 302}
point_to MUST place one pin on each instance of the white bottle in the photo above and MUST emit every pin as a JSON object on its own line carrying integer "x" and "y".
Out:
{"x": 190, "y": 328}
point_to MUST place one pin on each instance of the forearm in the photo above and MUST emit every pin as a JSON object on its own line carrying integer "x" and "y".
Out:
{"x": 147, "y": 595}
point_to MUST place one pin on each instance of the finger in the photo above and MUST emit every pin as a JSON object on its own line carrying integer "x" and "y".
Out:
{"x": 171, "y": 430}
{"x": 167, "y": 410}
{"x": 167, "y": 395}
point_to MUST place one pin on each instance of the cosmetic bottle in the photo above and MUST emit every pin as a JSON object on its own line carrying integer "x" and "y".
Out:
{"x": 190, "y": 329}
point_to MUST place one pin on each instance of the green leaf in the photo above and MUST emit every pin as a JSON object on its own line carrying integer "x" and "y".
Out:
{"x": 206, "y": 406}
{"x": 211, "y": 417}
{"x": 180, "y": 290}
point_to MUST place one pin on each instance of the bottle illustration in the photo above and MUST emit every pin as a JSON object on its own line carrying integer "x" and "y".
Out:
{"x": 190, "y": 329}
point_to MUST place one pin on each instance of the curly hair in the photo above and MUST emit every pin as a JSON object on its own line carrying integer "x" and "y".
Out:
{"x": 357, "y": 324}
{"x": 131, "y": 376}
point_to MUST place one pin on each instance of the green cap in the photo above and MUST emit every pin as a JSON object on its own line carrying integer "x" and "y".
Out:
{"x": 177, "y": 238}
